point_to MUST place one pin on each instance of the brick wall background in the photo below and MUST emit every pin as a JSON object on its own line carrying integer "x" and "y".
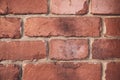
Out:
{"x": 59, "y": 40}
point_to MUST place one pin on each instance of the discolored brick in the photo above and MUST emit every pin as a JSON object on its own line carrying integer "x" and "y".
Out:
{"x": 63, "y": 26}
{"x": 105, "y": 6}
{"x": 106, "y": 49}
{"x": 27, "y": 6}
{"x": 113, "y": 71}
{"x": 68, "y": 49}
{"x": 69, "y": 6}
{"x": 112, "y": 27}
{"x": 22, "y": 50}
{"x": 9, "y": 72}
{"x": 62, "y": 71}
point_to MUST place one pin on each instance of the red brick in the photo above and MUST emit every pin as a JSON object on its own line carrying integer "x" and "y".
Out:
{"x": 112, "y": 26}
{"x": 27, "y": 6}
{"x": 63, "y": 26}
{"x": 62, "y": 71}
{"x": 105, "y": 6}
{"x": 9, "y": 72}
{"x": 68, "y": 49}
{"x": 22, "y": 50}
{"x": 10, "y": 27}
{"x": 3, "y": 6}
{"x": 113, "y": 71}
{"x": 69, "y": 6}
{"x": 106, "y": 49}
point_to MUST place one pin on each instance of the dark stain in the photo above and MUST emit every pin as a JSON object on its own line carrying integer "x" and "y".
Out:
{"x": 55, "y": 63}
{"x": 99, "y": 53}
{"x": 72, "y": 53}
{"x": 68, "y": 75}
{"x": 7, "y": 8}
{"x": 84, "y": 10}
{"x": 70, "y": 2}
{"x": 118, "y": 30}
{"x": 66, "y": 26}
{"x": 67, "y": 72}
{"x": 65, "y": 55}
{"x": 5, "y": 35}
{"x": 96, "y": 52}
{"x": 70, "y": 65}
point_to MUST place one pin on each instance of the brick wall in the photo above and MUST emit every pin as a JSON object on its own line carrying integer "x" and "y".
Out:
{"x": 59, "y": 40}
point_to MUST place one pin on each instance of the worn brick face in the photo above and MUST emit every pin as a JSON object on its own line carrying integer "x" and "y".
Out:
{"x": 62, "y": 71}
{"x": 63, "y": 26}
{"x": 9, "y": 72}
{"x": 10, "y": 27}
{"x": 23, "y": 6}
{"x": 112, "y": 27}
{"x": 22, "y": 50}
{"x": 106, "y": 49}
{"x": 68, "y": 49}
{"x": 105, "y": 6}
{"x": 30, "y": 6}
{"x": 113, "y": 71}
{"x": 69, "y": 6}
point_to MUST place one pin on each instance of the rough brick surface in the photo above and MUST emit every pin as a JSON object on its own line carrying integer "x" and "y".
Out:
{"x": 23, "y": 6}
{"x": 30, "y": 6}
{"x": 112, "y": 27}
{"x": 68, "y": 49}
{"x": 63, "y": 26}
{"x": 59, "y": 39}
{"x": 62, "y": 71}
{"x": 9, "y": 27}
{"x": 113, "y": 71}
{"x": 3, "y": 7}
{"x": 9, "y": 72}
{"x": 22, "y": 50}
{"x": 106, "y": 49}
{"x": 69, "y": 6}
{"x": 105, "y": 6}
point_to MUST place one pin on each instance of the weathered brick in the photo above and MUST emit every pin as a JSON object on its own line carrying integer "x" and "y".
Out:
{"x": 22, "y": 50}
{"x": 9, "y": 72}
{"x": 69, "y": 6}
{"x": 63, "y": 26}
{"x": 62, "y": 71}
{"x": 10, "y": 27}
{"x": 113, "y": 71}
{"x": 106, "y": 49}
{"x": 68, "y": 49}
{"x": 105, "y": 6}
{"x": 23, "y": 6}
{"x": 112, "y": 27}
